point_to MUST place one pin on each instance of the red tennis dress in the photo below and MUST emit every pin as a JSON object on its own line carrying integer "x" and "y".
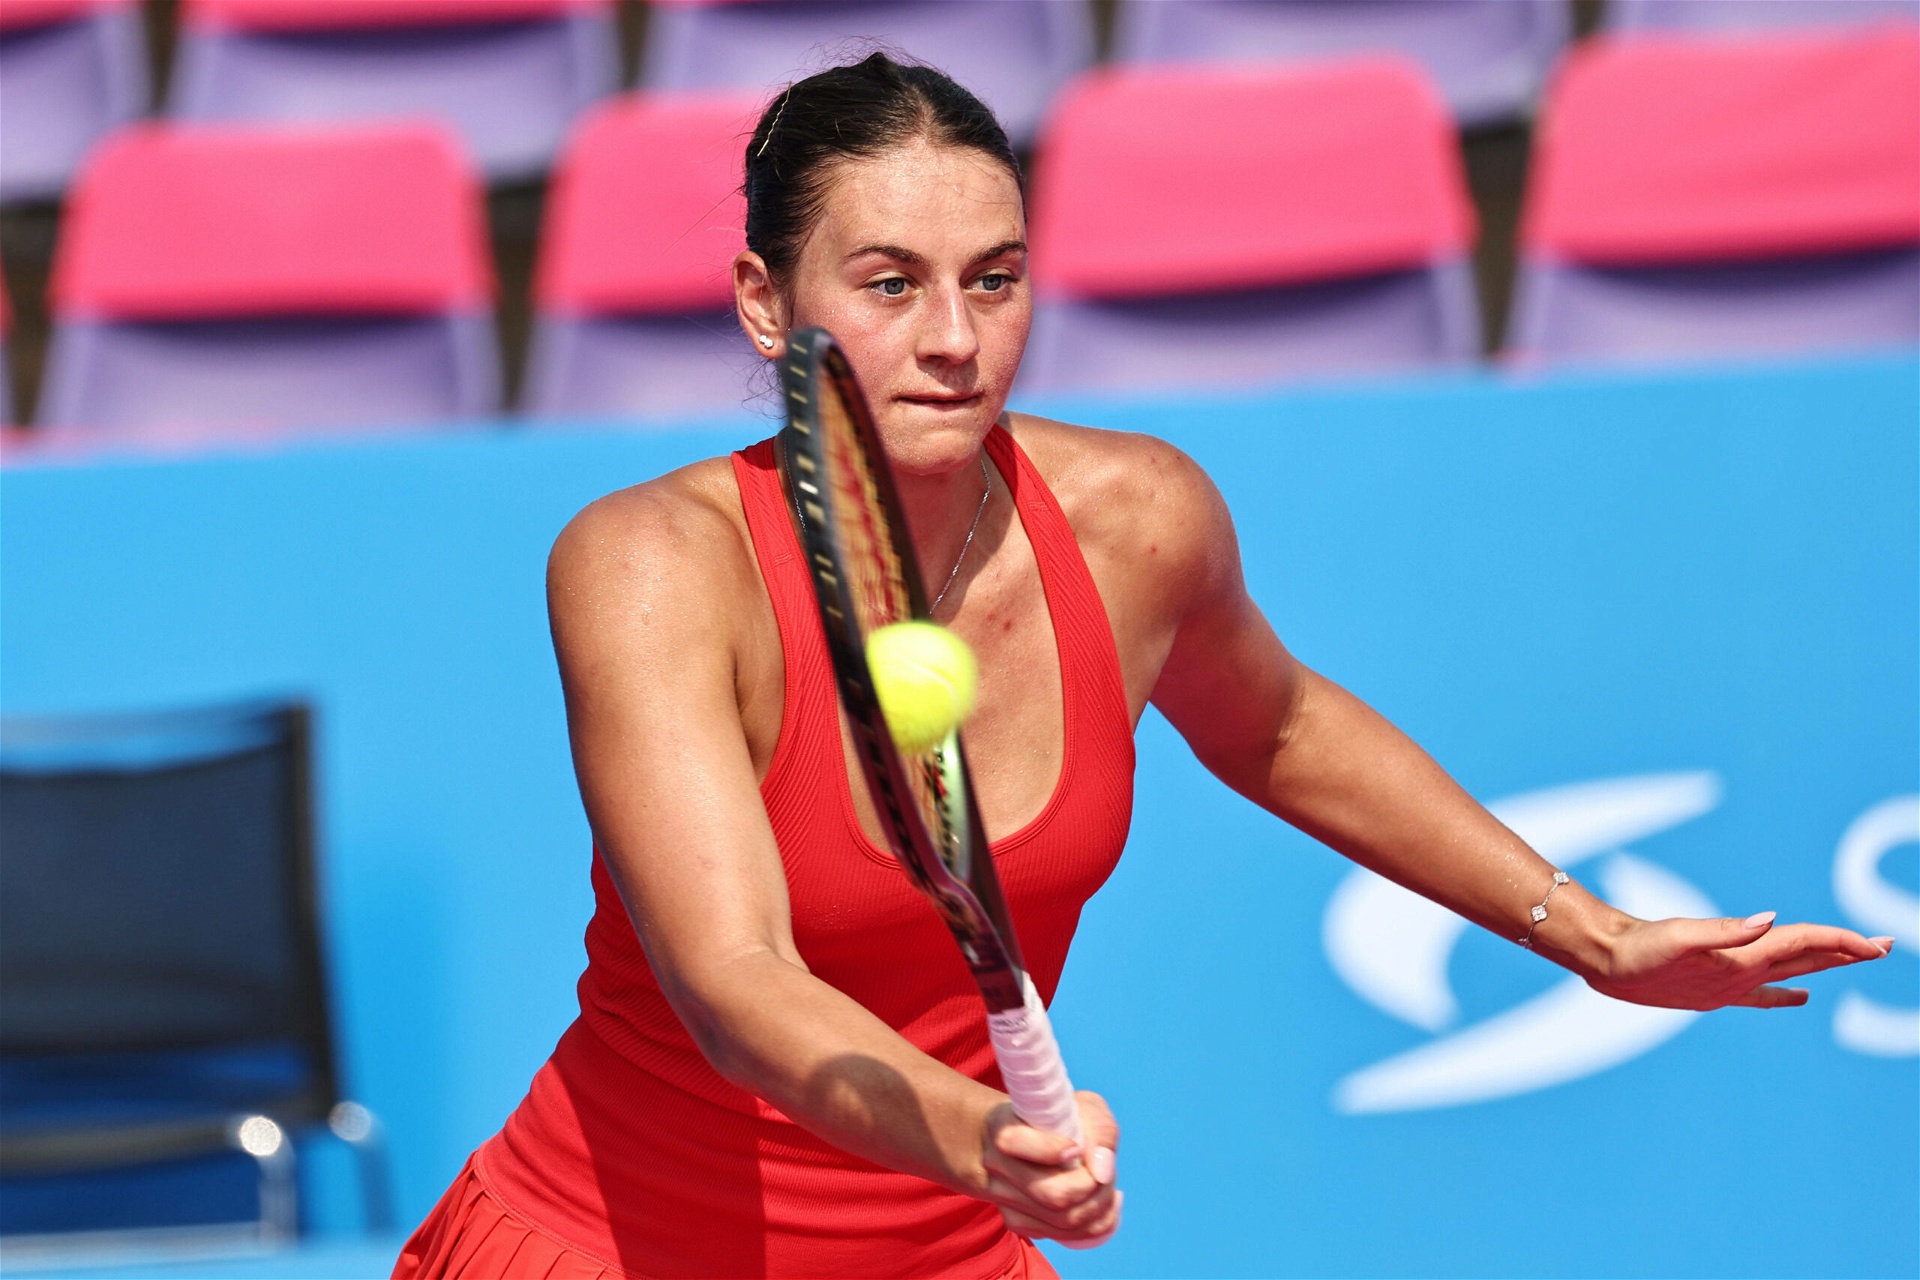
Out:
{"x": 631, "y": 1156}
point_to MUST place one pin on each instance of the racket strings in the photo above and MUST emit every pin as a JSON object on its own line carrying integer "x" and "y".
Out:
{"x": 946, "y": 805}
{"x": 866, "y": 580}
{"x": 877, "y": 579}
{"x": 878, "y": 586}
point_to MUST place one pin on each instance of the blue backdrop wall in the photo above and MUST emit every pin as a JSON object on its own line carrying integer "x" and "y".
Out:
{"x": 1670, "y": 623}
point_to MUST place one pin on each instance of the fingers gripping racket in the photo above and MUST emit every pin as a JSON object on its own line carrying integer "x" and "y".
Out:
{"x": 865, "y": 577}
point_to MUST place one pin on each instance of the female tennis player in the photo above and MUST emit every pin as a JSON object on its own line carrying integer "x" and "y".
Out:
{"x": 780, "y": 1066}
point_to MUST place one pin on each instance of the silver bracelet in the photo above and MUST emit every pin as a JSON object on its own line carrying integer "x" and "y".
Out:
{"x": 1539, "y": 913}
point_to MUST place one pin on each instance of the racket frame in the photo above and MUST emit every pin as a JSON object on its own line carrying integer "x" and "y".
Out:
{"x": 952, "y": 864}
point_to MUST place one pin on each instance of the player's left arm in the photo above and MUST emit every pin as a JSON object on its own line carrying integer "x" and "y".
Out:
{"x": 1302, "y": 747}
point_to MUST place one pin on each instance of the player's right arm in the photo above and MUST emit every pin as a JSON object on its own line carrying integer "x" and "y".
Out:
{"x": 653, "y": 596}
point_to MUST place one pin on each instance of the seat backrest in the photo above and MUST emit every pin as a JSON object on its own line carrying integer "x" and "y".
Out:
{"x": 157, "y": 892}
{"x": 1013, "y": 53}
{"x": 202, "y": 222}
{"x": 17, "y": 15}
{"x": 1488, "y": 57}
{"x": 645, "y": 213}
{"x": 323, "y": 15}
{"x": 1733, "y": 15}
{"x": 1675, "y": 149}
{"x": 70, "y": 71}
{"x": 1178, "y": 180}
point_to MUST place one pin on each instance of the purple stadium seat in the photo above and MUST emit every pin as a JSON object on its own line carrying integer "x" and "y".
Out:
{"x": 233, "y": 277}
{"x": 1278, "y": 222}
{"x": 508, "y": 76}
{"x": 70, "y": 70}
{"x": 1013, "y": 53}
{"x": 1837, "y": 301}
{"x": 640, "y": 366}
{"x": 1737, "y": 15}
{"x": 634, "y": 289}
{"x": 1488, "y": 56}
{"x": 1698, "y": 197}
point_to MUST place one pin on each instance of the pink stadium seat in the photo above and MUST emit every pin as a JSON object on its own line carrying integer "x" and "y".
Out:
{"x": 1013, "y": 53}
{"x": 634, "y": 288}
{"x": 242, "y": 276}
{"x": 1242, "y": 225}
{"x": 508, "y": 76}
{"x": 70, "y": 71}
{"x": 1488, "y": 56}
{"x": 1709, "y": 196}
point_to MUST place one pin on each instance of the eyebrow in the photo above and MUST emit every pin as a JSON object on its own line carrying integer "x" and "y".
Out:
{"x": 893, "y": 251}
{"x": 1003, "y": 248}
{"x": 908, "y": 256}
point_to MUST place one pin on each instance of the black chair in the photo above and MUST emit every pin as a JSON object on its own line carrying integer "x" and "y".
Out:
{"x": 163, "y": 1006}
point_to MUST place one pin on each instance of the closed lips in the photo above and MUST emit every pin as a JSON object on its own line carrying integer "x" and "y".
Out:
{"x": 941, "y": 400}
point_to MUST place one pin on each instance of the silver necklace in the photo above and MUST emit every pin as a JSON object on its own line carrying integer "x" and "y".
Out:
{"x": 985, "y": 493}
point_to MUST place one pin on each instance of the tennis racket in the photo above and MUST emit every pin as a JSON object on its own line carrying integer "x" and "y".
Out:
{"x": 865, "y": 577}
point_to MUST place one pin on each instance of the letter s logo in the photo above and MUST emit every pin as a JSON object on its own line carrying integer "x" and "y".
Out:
{"x": 1878, "y": 907}
{"x": 1392, "y": 945}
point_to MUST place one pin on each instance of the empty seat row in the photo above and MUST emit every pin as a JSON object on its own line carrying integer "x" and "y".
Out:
{"x": 634, "y": 286}
{"x": 237, "y": 275}
{"x": 510, "y": 75}
{"x": 1189, "y": 227}
{"x": 1724, "y": 197}
{"x": 1177, "y": 241}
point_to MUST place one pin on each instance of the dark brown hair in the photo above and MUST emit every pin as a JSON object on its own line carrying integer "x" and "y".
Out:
{"x": 850, "y": 112}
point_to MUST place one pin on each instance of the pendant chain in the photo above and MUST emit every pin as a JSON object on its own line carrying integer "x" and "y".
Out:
{"x": 987, "y": 492}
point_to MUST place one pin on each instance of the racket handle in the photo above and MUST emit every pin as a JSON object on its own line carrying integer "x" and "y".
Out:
{"x": 1030, "y": 1064}
{"x": 1036, "y": 1077}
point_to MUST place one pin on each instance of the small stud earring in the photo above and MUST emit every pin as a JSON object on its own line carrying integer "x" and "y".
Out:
{"x": 765, "y": 341}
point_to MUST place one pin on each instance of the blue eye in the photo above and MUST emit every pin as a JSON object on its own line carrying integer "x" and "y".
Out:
{"x": 995, "y": 282}
{"x": 892, "y": 286}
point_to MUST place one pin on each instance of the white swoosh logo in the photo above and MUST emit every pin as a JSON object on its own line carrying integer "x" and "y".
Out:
{"x": 1878, "y": 905}
{"x": 1392, "y": 947}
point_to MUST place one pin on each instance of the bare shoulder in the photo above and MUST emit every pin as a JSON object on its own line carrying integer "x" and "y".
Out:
{"x": 1129, "y": 493}
{"x": 678, "y": 541}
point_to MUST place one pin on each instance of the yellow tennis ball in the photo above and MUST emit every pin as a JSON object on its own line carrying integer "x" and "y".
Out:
{"x": 926, "y": 678}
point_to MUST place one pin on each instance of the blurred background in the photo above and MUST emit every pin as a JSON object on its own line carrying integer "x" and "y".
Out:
{"x": 1560, "y": 362}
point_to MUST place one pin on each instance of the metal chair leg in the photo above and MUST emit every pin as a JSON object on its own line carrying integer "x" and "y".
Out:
{"x": 263, "y": 1139}
{"x": 357, "y": 1126}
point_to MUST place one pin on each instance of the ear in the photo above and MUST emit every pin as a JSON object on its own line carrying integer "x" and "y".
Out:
{"x": 759, "y": 305}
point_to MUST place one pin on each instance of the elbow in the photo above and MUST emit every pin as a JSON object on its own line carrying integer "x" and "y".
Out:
{"x": 706, "y": 1024}
{"x": 1294, "y": 711}
{"x": 717, "y": 1004}
{"x": 1255, "y": 764}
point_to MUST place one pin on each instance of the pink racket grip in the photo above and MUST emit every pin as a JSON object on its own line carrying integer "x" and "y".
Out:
{"x": 1030, "y": 1064}
{"x": 1036, "y": 1077}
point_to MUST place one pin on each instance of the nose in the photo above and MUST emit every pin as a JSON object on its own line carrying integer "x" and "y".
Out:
{"x": 948, "y": 336}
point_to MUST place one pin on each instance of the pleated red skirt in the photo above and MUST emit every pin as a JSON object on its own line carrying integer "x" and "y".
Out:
{"x": 471, "y": 1235}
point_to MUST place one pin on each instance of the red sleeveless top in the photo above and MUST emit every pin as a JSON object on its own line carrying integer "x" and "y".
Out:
{"x": 631, "y": 1149}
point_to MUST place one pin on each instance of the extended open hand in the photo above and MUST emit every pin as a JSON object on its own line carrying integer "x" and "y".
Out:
{"x": 1709, "y": 964}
